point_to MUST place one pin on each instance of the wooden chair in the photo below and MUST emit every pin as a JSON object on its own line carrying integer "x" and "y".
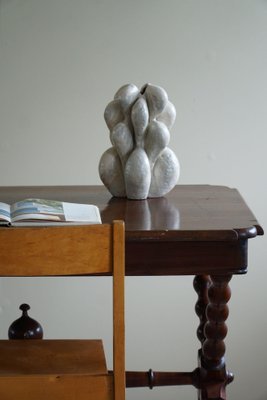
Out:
{"x": 64, "y": 369}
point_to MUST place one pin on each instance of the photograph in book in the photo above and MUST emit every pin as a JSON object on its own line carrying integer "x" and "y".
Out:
{"x": 48, "y": 212}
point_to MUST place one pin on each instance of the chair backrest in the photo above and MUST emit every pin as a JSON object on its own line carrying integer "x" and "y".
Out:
{"x": 52, "y": 251}
{"x": 71, "y": 251}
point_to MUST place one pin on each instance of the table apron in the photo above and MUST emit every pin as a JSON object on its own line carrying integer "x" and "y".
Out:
{"x": 146, "y": 258}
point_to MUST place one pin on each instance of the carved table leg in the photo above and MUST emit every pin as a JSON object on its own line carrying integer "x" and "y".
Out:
{"x": 213, "y": 375}
{"x": 201, "y": 286}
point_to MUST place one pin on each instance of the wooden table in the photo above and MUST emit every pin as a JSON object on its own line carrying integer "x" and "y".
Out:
{"x": 195, "y": 230}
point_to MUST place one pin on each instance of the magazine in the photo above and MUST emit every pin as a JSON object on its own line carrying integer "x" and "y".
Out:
{"x": 31, "y": 212}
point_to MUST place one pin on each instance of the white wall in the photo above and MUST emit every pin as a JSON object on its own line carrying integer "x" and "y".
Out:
{"x": 61, "y": 62}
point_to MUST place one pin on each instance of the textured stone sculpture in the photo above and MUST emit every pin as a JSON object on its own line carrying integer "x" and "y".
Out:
{"x": 139, "y": 164}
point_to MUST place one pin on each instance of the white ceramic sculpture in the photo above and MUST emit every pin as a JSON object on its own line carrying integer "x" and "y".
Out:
{"x": 139, "y": 164}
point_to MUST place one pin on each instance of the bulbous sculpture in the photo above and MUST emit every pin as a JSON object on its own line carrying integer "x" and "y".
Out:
{"x": 139, "y": 164}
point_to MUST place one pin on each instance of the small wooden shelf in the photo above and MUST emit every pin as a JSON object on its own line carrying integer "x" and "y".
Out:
{"x": 52, "y": 357}
{"x": 67, "y": 369}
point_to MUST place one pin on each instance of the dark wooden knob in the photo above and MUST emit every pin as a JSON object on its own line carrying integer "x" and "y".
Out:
{"x": 25, "y": 327}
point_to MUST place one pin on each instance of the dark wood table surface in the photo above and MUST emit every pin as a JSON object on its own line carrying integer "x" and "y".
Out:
{"x": 199, "y": 230}
{"x": 194, "y": 229}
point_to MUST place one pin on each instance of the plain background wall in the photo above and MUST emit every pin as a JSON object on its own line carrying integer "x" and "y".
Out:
{"x": 61, "y": 61}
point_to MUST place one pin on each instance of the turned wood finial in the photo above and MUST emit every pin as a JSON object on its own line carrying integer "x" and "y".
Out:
{"x": 25, "y": 327}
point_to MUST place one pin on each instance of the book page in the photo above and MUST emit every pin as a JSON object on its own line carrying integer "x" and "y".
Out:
{"x": 4, "y": 213}
{"x": 37, "y": 209}
{"x": 81, "y": 212}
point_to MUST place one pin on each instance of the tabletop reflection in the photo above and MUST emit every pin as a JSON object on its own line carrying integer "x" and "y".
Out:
{"x": 149, "y": 214}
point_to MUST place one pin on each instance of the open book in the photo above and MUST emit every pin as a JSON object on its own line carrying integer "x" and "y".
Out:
{"x": 31, "y": 212}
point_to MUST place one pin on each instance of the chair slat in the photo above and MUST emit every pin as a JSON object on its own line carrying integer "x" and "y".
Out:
{"x": 118, "y": 312}
{"x": 51, "y": 251}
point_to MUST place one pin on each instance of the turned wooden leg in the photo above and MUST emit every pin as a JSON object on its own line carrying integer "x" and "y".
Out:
{"x": 201, "y": 286}
{"x": 213, "y": 374}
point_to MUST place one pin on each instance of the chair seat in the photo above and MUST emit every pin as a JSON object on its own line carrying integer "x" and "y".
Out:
{"x": 54, "y": 369}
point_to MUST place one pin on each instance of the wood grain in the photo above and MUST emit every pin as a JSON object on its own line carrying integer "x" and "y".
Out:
{"x": 68, "y": 250}
{"x": 64, "y": 369}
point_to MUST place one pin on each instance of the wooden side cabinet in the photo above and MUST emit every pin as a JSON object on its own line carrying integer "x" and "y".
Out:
{"x": 64, "y": 369}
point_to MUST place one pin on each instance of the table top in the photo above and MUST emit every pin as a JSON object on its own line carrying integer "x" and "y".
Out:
{"x": 188, "y": 212}
{"x": 194, "y": 229}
